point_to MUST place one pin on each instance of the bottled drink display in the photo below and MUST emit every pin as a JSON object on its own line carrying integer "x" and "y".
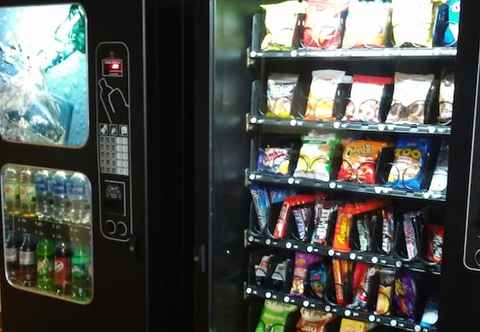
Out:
{"x": 48, "y": 237}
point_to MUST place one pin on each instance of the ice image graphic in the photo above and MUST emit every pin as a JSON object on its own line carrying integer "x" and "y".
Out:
{"x": 43, "y": 75}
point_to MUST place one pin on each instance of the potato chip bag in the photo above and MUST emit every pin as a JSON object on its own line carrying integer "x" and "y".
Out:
{"x": 274, "y": 160}
{"x": 274, "y": 316}
{"x": 315, "y": 160}
{"x": 405, "y": 295}
{"x": 408, "y": 169}
{"x": 412, "y": 22}
{"x": 360, "y": 161}
{"x": 349, "y": 325}
{"x": 281, "y": 89}
{"x": 281, "y": 22}
{"x": 313, "y": 320}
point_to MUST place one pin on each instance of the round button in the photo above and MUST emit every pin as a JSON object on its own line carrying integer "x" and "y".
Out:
{"x": 110, "y": 227}
{"x": 122, "y": 228}
{"x": 476, "y": 257}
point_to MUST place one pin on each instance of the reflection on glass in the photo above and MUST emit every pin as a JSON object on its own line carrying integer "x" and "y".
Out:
{"x": 43, "y": 75}
{"x": 47, "y": 231}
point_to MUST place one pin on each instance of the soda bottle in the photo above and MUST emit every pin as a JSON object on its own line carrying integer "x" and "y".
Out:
{"x": 63, "y": 268}
{"x": 43, "y": 194}
{"x": 81, "y": 282}
{"x": 59, "y": 208}
{"x": 11, "y": 256}
{"x": 45, "y": 264}
{"x": 11, "y": 190}
{"x": 78, "y": 192}
{"x": 26, "y": 262}
{"x": 27, "y": 193}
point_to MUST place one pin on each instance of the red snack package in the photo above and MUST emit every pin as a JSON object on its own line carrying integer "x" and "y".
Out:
{"x": 343, "y": 228}
{"x": 281, "y": 226}
{"x": 302, "y": 264}
{"x": 341, "y": 276}
{"x": 363, "y": 284}
{"x": 360, "y": 161}
{"x": 313, "y": 320}
{"x": 435, "y": 235}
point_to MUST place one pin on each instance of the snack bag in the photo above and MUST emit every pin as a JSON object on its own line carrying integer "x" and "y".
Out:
{"x": 280, "y": 92}
{"x": 274, "y": 316}
{"x": 363, "y": 285}
{"x": 274, "y": 160}
{"x": 435, "y": 236}
{"x": 408, "y": 169}
{"x": 281, "y": 21}
{"x": 409, "y": 98}
{"x": 451, "y": 33}
{"x": 412, "y": 22}
{"x": 323, "y": 26}
{"x": 367, "y": 24}
{"x": 385, "y": 291}
{"x": 365, "y": 98}
{"x": 447, "y": 91}
{"x": 318, "y": 280}
{"x": 360, "y": 161}
{"x": 315, "y": 160}
{"x": 439, "y": 181}
{"x": 313, "y": 320}
{"x": 348, "y": 325}
{"x": 290, "y": 202}
{"x": 300, "y": 278}
{"x": 261, "y": 203}
{"x": 405, "y": 295}
{"x": 323, "y": 90}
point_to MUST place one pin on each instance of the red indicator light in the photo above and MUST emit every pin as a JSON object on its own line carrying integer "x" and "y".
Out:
{"x": 112, "y": 67}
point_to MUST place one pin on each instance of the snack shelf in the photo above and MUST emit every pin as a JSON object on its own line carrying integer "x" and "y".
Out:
{"x": 355, "y": 256}
{"x": 365, "y": 53}
{"x": 340, "y": 125}
{"x": 338, "y": 311}
{"x": 379, "y": 189}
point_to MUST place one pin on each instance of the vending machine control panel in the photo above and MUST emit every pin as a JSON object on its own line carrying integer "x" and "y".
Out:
{"x": 113, "y": 139}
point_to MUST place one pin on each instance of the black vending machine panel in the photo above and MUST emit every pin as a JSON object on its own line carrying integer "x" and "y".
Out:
{"x": 114, "y": 127}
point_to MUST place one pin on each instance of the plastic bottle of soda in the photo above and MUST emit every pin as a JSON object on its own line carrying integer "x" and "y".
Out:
{"x": 45, "y": 264}
{"x": 81, "y": 281}
{"x": 11, "y": 256}
{"x": 11, "y": 189}
{"x": 26, "y": 262}
{"x": 27, "y": 194}
{"x": 43, "y": 194}
{"x": 78, "y": 192}
{"x": 60, "y": 204}
{"x": 63, "y": 267}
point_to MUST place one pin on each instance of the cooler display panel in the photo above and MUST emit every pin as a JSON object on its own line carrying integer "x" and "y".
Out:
{"x": 44, "y": 75}
{"x": 47, "y": 232}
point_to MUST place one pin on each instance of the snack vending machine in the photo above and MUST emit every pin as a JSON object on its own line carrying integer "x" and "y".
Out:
{"x": 76, "y": 94}
{"x": 336, "y": 159}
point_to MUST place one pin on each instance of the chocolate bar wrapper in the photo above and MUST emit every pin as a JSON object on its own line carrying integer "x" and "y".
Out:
{"x": 280, "y": 274}
{"x": 410, "y": 236}
{"x": 341, "y": 275}
{"x": 388, "y": 231}
{"x": 302, "y": 217}
{"x": 385, "y": 291}
{"x": 318, "y": 280}
{"x": 261, "y": 270}
{"x": 302, "y": 263}
{"x": 281, "y": 226}
{"x": 430, "y": 315}
{"x": 261, "y": 203}
{"x": 323, "y": 213}
{"x": 313, "y": 320}
{"x": 343, "y": 229}
{"x": 363, "y": 233}
{"x": 435, "y": 243}
{"x": 406, "y": 295}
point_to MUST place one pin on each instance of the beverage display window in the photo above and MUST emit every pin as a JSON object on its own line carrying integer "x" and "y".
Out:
{"x": 44, "y": 75}
{"x": 47, "y": 232}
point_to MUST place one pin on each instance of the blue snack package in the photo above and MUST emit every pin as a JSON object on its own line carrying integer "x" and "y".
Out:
{"x": 430, "y": 315}
{"x": 318, "y": 280}
{"x": 274, "y": 160}
{"x": 405, "y": 295}
{"x": 451, "y": 33}
{"x": 261, "y": 203}
{"x": 278, "y": 195}
{"x": 408, "y": 169}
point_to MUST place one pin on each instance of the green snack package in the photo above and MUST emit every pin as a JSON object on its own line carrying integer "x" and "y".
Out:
{"x": 274, "y": 316}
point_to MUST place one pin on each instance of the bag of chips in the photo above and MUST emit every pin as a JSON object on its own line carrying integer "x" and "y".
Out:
{"x": 274, "y": 160}
{"x": 408, "y": 169}
{"x": 412, "y": 22}
{"x": 281, "y": 20}
{"x": 405, "y": 295}
{"x": 360, "y": 161}
{"x": 313, "y": 320}
{"x": 363, "y": 285}
{"x": 315, "y": 160}
{"x": 409, "y": 104}
{"x": 274, "y": 316}
{"x": 439, "y": 181}
{"x": 385, "y": 291}
{"x": 300, "y": 273}
{"x": 348, "y": 325}
{"x": 451, "y": 33}
{"x": 323, "y": 90}
{"x": 366, "y": 98}
{"x": 367, "y": 24}
{"x": 435, "y": 236}
{"x": 280, "y": 92}
{"x": 447, "y": 91}
{"x": 324, "y": 23}
{"x": 318, "y": 280}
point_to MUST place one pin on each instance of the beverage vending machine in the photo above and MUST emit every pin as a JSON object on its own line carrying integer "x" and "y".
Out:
{"x": 79, "y": 103}
{"x": 337, "y": 165}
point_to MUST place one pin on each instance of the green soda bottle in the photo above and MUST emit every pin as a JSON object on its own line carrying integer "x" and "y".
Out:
{"x": 81, "y": 281}
{"x": 45, "y": 264}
